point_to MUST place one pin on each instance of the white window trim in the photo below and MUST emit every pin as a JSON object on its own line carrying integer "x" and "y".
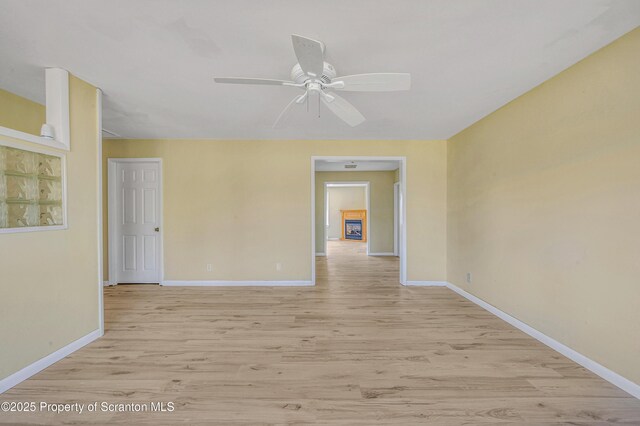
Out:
{"x": 63, "y": 179}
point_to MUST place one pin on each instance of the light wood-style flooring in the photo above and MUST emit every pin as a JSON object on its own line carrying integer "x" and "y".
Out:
{"x": 356, "y": 349}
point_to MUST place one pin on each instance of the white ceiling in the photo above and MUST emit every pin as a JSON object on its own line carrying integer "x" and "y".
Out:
{"x": 361, "y": 166}
{"x": 155, "y": 59}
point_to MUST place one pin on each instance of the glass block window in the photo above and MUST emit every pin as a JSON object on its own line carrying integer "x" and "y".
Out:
{"x": 31, "y": 189}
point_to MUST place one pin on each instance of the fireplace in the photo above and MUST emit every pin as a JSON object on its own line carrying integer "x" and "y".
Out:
{"x": 353, "y": 229}
{"x": 354, "y": 225}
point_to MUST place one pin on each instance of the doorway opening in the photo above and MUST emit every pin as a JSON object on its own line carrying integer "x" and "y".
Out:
{"x": 358, "y": 212}
{"x": 347, "y": 221}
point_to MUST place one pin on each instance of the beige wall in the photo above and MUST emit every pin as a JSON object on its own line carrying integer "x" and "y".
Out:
{"x": 49, "y": 279}
{"x": 381, "y": 204}
{"x": 544, "y": 207}
{"x": 343, "y": 198}
{"x": 21, "y": 114}
{"x": 246, "y": 205}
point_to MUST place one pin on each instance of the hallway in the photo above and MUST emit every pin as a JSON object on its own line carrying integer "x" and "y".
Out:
{"x": 347, "y": 262}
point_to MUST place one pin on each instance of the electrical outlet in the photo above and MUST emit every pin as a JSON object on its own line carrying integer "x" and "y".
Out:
{"x": 469, "y": 277}
{"x": 209, "y": 267}
{"x": 278, "y": 266}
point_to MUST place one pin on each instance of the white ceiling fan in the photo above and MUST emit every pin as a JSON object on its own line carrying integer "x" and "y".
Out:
{"x": 317, "y": 77}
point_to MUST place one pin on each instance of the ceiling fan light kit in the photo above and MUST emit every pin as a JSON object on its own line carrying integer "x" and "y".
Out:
{"x": 317, "y": 77}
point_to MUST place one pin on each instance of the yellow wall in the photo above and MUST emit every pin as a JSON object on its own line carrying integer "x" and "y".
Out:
{"x": 21, "y": 114}
{"x": 544, "y": 207}
{"x": 246, "y": 205}
{"x": 342, "y": 198}
{"x": 49, "y": 279}
{"x": 381, "y": 214}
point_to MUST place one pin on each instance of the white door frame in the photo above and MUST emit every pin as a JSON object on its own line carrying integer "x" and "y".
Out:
{"x": 403, "y": 216}
{"x": 396, "y": 219}
{"x": 349, "y": 184}
{"x": 99, "y": 191}
{"x": 112, "y": 163}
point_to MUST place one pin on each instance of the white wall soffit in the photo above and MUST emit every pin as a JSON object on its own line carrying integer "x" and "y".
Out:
{"x": 57, "y": 113}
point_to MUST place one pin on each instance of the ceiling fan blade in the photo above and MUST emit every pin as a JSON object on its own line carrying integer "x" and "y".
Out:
{"x": 344, "y": 110}
{"x": 297, "y": 100}
{"x": 310, "y": 55}
{"x": 234, "y": 80}
{"x": 375, "y": 82}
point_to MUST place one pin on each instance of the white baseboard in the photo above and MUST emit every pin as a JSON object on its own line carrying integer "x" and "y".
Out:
{"x": 599, "y": 369}
{"x": 320, "y": 254}
{"x": 427, "y": 283}
{"x": 382, "y": 254}
{"x": 42, "y": 363}
{"x": 177, "y": 283}
{"x": 333, "y": 239}
{"x": 107, "y": 283}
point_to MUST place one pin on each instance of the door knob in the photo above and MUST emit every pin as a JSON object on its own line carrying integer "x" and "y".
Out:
{"x": 157, "y": 229}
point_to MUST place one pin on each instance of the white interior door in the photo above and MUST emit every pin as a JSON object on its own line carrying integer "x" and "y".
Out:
{"x": 137, "y": 235}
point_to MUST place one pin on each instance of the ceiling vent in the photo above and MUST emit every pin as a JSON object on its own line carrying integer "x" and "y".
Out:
{"x": 350, "y": 166}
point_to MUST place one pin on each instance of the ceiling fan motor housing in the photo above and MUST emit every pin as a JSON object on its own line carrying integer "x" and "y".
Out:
{"x": 299, "y": 76}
